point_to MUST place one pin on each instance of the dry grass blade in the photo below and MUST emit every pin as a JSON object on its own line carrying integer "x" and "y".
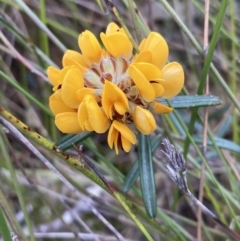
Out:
{"x": 176, "y": 169}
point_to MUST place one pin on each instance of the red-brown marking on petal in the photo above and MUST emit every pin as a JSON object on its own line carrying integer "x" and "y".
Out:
{"x": 125, "y": 65}
{"x": 102, "y": 79}
{"x": 107, "y": 76}
{"x": 96, "y": 71}
{"x": 113, "y": 63}
{"x": 101, "y": 66}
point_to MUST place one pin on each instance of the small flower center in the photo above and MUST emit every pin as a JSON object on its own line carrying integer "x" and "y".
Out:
{"x": 111, "y": 69}
{"x": 114, "y": 70}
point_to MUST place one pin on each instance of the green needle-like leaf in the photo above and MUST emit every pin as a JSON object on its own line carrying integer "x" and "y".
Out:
{"x": 131, "y": 177}
{"x": 191, "y": 101}
{"x": 146, "y": 171}
{"x": 4, "y": 231}
{"x": 133, "y": 174}
{"x": 67, "y": 141}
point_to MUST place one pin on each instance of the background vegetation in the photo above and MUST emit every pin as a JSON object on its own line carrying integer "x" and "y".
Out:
{"x": 37, "y": 203}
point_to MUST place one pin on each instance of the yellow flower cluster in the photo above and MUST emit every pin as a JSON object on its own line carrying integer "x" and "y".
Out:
{"x": 110, "y": 88}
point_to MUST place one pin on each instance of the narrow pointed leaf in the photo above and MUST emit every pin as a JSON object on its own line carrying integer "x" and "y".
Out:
{"x": 131, "y": 177}
{"x": 4, "y": 230}
{"x": 67, "y": 141}
{"x": 221, "y": 143}
{"x": 191, "y": 101}
{"x": 133, "y": 174}
{"x": 146, "y": 171}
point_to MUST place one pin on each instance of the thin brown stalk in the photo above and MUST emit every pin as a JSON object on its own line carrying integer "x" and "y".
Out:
{"x": 205, "y": 127}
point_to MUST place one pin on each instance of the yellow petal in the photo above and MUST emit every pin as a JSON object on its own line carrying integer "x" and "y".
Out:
{"x": 88, "y": 126}
{"x": 126, "y": 145}
{"x": 94, "y": 114}
{"x": 53, "y": 74}
{"x": 113, "y": 96}
{"x": 144, "y": 86}
{"x": 125, "y": 131}
{"x": 60, "y": 77}
{"x": 144, "y": 120}
{"x": 117, "y": 44}
{"x": 57, "y": 105}
{"x": 142, "y": 45}
{"x": 67, "y": 122}
{"x": 159, "y": 108}
{"x": 83, "y": 117}
{"x": 83, "y": 92}
{"x": 120, "y": 108}
{"x": 112, "y": 28}
{"x": 158, "y": 88}
{"x": 159, "y": 48}
{"x": 116, "y": 41}
{"x": 150, "y": 71}
{"x": 73, "y": 81}
{"x": 97, "y": 117}
{"x": 90, "y": 46}
{"x": 113, "y": 138}
{"x": 127, "y": 136}
{"x": 74, "y": 58}
{"x": 144, "y": 56}
{"x": 174, "y": 79}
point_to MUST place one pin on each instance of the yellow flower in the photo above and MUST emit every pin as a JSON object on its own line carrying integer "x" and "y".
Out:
{"x": 116, "y": 41}
{"x": 120, "y": 134}
{"x": 56, "y": 76}
{"x": 72, "y": 82}
{"x": 146, "y": 78}
{"x": 144, "y": 120}
{"x": 57, "y": 105}
{"x": 114, "y": 99}
{"x": 90, "y": 47}
{"x": 174, "y": 78}
{"x": 157, "y": 46}
{"x": 91, "y": 117}
{"x": 109, "y": 88}
{"x": 159, "y": 108}
{"x": 73, "y": 58}
{"x": 67, "y": 122}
